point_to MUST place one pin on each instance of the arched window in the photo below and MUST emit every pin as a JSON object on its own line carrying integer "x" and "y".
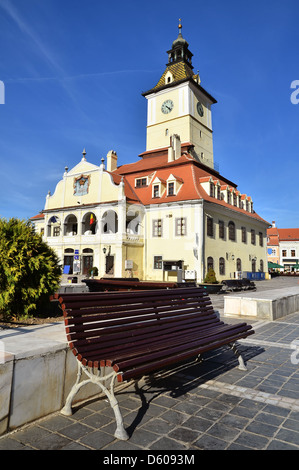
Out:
{"x": 221, "y": 266}
{"x": 89, "y": 224}
{"x": 239, "y": 264}
{"x": 253, "y": 265}
{"x": 232, "y": 231}
{"x": 210, "y": 263}
{"x": 261, "y": 266}
{"x": 133, "y": 222}
{"x": 54, "y": 227}
{"x": 109, "y": 222}
{"x": 70, "y": 225}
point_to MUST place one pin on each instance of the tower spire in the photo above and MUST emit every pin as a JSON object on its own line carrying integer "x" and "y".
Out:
{"x": 179, "y": 51}
{"x": 180, "y": 26}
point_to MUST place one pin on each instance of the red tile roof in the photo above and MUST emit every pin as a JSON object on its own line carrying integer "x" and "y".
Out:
{"x": 188, "y": 170}
{"x": 38, "y": 216}
{"x": 288, "y": 234}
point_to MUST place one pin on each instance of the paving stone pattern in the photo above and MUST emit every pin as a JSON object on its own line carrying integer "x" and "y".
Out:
{"x": 201, "y": 406}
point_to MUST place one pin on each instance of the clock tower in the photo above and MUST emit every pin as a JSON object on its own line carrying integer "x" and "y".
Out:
{"x": 179, "y": 105}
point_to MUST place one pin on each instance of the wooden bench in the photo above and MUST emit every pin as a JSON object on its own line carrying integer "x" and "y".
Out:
{"x": 135, "y": 333}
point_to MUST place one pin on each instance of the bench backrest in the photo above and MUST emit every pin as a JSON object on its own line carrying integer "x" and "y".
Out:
{"x": 112, "y": 320}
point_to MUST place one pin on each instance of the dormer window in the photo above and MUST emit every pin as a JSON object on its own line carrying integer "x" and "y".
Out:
{"x": 212, "y": 189}
{"x": 170, "y": 189}
{"x": 228, "y": 197}
{"x": 158, "y": 187}
{"x": 174, "y": 184}
{"x": 156, "y": 190}
{"x": 139, "y": 182}
{"x": 168, "y": 77}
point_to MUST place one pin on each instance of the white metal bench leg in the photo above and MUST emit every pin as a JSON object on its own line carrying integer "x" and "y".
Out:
{"x": 120, "y": 432}
{"x": 242, "y": 366}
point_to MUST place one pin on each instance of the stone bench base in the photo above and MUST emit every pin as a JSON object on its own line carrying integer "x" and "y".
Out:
{"x": 267, "y": 305}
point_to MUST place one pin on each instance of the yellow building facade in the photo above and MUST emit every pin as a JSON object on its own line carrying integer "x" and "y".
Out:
{"x": 170, "y": 215}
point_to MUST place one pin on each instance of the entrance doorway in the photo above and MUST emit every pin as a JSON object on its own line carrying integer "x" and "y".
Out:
{"x": 110, "y": 264}
{"x": 69, "y": 261}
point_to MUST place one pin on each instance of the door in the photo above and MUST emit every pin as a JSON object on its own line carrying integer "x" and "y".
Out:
{"x": 87, "y": 263}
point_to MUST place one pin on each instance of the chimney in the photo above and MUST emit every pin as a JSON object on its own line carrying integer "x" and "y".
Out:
{"x": 174, "y": 150}
{"x": 176, "y": 142}
{"x": 170, "y": 152}
{"x": 273, "y": 224}
{"x": 111, "y": 160}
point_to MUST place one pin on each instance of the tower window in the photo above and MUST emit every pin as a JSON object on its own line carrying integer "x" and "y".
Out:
{"x": 168, "y": 77}
{"x": 166, "y": 132}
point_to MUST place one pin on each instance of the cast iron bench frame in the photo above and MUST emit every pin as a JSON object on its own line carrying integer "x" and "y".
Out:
{"x": 136, "y": 333}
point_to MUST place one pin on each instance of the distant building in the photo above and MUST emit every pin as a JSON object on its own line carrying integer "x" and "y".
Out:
{"x": 273, "y": 254}
{"x": 171, "y": 210}
{"x": 283, "y": 247}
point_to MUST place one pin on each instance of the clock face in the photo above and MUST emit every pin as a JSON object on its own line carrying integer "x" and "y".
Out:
{"x": 200, "y": 109}
{"x": 167, "y": 106}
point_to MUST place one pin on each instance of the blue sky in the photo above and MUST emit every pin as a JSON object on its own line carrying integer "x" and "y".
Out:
{"x": 74, "y": 72}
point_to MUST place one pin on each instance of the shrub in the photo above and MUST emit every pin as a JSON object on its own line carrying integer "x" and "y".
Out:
{"x": 29, "y": 269}
{"x": 211, "y": 277}
{"x": 93, "y": 271}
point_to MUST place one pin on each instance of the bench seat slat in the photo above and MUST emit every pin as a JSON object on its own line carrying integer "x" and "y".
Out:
{"x": 156, "y": 339}
{"x": 185, "y": 338}
{"x": 173, "y": 359}
{"x": 172, "y": 349}
{"x": 161, "y": 343}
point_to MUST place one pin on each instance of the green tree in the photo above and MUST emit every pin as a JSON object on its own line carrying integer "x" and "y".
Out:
{"x": 211, "y": 277}
{"x": 29, "y": 269}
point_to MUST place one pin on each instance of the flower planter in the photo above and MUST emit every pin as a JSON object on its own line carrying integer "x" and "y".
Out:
{"x": 212, "y": 288}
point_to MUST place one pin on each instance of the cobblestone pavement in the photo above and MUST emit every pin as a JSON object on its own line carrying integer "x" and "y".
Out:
{"x": 201, "y": 406}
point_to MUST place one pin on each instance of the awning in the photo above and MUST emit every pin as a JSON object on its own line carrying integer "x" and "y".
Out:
{"x": 275, "y": 265}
